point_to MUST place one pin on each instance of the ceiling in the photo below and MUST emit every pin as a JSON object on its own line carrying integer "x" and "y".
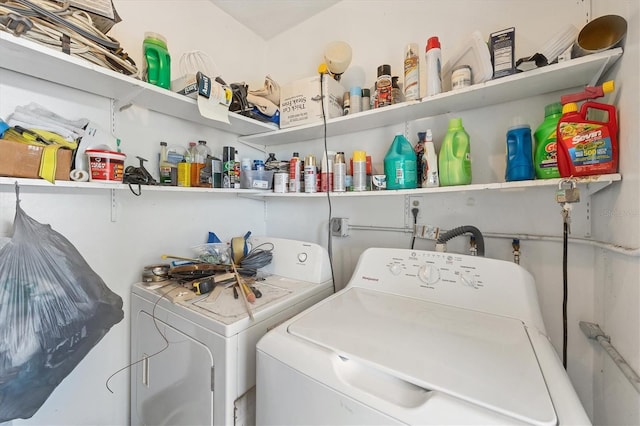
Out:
{"x": 268, "y": 18}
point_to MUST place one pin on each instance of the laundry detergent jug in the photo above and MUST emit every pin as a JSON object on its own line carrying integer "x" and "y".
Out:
{"x": 454, "y": 163}
{"x": 400, "y": 165}
{"x": 545, "y": 157}
{"x": 157, "y": 63}
{"x": 519, "y": 153}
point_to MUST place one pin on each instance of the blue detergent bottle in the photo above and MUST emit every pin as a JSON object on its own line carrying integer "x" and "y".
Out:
{"x": 519, "y": 153}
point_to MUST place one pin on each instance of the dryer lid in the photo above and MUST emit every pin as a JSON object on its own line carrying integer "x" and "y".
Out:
{"x": 481, "y": 358}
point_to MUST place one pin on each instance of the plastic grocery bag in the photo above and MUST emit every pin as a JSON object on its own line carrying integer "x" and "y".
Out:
{"x": 53, "y": 309}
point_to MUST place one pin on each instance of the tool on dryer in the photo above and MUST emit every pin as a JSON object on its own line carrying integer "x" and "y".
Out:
{"x": 245, "y": 298}
{"x": 170, "y": 256}
{"x": 203, "y": 286}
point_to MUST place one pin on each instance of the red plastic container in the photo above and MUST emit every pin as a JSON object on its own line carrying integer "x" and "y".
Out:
{"x": 585, "y": 146}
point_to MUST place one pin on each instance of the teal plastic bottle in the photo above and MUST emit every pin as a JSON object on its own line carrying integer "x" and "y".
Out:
{"x": 454, "y": 163}
{"x": 400, "y": 166}
{"x": 157, "y": 62}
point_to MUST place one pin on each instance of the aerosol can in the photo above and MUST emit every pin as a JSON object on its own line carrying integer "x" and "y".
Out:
{"x": 587, "y": 146}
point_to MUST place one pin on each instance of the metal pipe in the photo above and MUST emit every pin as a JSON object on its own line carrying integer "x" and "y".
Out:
{"x": 593, "y": 331}
{"x": 627, "y": 251}
{"x": 380, "y": 228}
{"x": 634, "y": 252}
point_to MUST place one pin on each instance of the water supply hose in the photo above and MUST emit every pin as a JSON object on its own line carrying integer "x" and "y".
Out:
{"x": 461, "y": 230}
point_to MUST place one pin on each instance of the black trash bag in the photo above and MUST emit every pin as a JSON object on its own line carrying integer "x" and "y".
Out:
{"x": 53, "y": 309}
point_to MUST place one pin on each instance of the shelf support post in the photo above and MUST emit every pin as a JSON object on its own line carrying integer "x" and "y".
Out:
{"x": 114, "y": 206}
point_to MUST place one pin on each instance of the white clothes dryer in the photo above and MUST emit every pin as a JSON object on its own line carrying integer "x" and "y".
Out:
{"x": 418, "y": 337}
{"x": 195, "y": 359}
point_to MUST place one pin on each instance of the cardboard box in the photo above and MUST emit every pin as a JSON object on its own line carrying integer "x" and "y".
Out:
{"x": 300, "y": 101}
{"x": 22, "y": 160}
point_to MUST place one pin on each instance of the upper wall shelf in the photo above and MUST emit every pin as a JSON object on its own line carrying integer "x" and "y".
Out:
{"x": 27, "y": 57}
{"x": 564, "y": 75}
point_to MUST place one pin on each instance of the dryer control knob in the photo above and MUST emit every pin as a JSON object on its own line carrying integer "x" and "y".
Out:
{"x": 467, "y": 279}
{"x": 395, "y": 268}
{"x": 302, "y": 257}
{"x": 429, "y": 274}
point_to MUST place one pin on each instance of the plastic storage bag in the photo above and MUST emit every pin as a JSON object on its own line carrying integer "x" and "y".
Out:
{"x": 53, "y": 309}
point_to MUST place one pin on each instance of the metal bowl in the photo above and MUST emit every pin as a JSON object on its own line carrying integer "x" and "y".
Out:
{"x": 605, "y": 32}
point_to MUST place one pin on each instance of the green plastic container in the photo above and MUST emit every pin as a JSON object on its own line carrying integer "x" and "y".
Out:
{"x": 545, "y": 154}
{"x": 454, "y": 163}
{"x": 400, "y": 165}
{"x": 157, "y": 62}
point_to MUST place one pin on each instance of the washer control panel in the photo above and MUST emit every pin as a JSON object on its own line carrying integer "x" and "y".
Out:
{"x": 470, "y": 282}
{"x": 433, "y": 268}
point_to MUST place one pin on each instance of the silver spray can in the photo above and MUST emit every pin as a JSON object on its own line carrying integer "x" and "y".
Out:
{"x": 280, "y": 182}
{"x": 310, "y": 172}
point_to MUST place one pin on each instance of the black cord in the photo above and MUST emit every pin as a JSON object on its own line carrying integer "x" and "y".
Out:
{"x": 565, "y": 243}
{"x": 329, "y": 238}
{"x": 164, "y": 337}
{"x": 414, "y": 211}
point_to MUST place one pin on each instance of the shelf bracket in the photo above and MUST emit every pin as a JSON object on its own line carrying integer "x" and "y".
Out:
{"x": 114, "y": 206}
{"x": 112, "y": 116}
{"x": 126, "y": 102}
{"x": 596, "y": 78}
{"x": 261, "y": 148}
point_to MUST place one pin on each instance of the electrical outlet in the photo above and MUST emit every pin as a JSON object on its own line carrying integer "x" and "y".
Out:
{"x": 411, "y": 202}
{"x": 339, "y": 226}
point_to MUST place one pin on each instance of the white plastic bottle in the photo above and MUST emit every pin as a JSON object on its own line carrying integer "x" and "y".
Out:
{"x": 430, "y": 178}
{"x": 433, "y": 58}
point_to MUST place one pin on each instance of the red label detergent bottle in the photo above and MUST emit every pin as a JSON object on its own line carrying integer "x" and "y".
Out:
{"x": 587, "y": 146}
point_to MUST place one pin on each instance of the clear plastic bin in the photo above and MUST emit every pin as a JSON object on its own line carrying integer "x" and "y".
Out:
{"x": 256, "y": 179}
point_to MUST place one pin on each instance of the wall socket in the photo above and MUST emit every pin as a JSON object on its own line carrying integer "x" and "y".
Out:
{"x": 339, "y": 226}
{"x": 411, "y": 202}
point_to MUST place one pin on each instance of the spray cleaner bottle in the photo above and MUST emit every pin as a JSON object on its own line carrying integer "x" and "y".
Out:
{"x": 430, "y": 163}
{"x": 587, "y": 146}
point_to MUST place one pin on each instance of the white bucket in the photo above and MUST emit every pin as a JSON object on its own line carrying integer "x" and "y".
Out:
{"x": 105, "y": 166}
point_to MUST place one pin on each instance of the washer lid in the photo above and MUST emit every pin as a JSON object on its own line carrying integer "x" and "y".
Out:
{"x": 482, "y": 358}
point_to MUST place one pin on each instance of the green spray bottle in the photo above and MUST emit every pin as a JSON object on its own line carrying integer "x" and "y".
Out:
{"x": 454, "y": 163}
{"x": 545, "y": 153}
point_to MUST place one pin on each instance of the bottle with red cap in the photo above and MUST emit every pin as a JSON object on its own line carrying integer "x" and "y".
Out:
{"x": 433, "y": 58}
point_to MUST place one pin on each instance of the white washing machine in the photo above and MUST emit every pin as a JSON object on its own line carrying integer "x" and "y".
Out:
{"x": 195, "y": 356}
{"x": 418, "y": 337}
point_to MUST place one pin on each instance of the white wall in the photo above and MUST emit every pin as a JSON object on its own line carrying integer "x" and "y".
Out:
{"x": 603, "y": 285}
{"x": 145, "y": 227}
{"x": 616, "y": 215}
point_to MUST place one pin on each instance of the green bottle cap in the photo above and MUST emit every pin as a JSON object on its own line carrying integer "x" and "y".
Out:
{"x": 554, "y": 108}
{"x": 455, "y": 123}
